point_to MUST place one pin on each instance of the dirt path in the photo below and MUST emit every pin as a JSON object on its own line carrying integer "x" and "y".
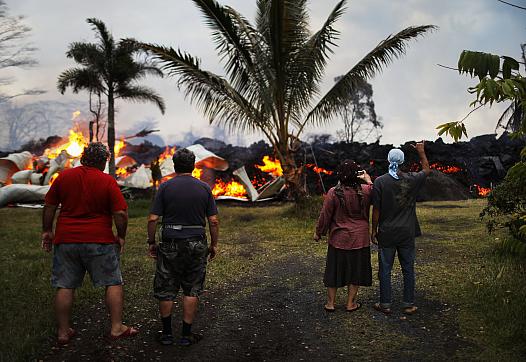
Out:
{"x": 277, "y": 315}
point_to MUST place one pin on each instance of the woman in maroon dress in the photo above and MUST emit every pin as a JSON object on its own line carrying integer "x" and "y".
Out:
{"x": 345, "y": 217}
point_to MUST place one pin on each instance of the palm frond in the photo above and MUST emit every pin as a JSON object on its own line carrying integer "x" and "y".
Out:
{"x": 309, "y": 64}
{"x": 210, "y": 93}
{"x": 108, "y": 43}
{"x": 232, "y": 48}
{"x": 79, "y": 79}
{"x": 137, "y": 93}
{"x": 382, "y": 55}
{"x": 87, "y": 54}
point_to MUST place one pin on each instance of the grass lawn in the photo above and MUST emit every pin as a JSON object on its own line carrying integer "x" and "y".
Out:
{"x": 472, "y": 296}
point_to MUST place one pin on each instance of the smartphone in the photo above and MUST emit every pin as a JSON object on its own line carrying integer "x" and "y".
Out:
{"x": 361, "y": 172}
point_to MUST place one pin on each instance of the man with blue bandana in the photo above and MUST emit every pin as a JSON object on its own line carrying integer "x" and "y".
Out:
{"x": 395, "y": 225}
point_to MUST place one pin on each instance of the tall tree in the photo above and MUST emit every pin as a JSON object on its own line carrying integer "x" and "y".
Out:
{"x": 359, "y": 116}
{"x": 15, "y": 51}
{"x": 112, "y": 69}
{"x": 273, "y": 72}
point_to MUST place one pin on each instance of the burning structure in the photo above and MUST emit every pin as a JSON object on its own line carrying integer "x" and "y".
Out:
{"x": 460, "y": 170}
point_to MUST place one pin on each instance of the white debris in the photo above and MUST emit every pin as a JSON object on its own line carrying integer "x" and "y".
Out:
{"x": 22, "y": 194}
{"x": 13, "y": 163}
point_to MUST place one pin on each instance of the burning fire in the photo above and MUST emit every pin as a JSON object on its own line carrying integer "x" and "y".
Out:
{"x": 318, "y": 169}
{"x": 53, "y": 178}
{"x": 271, "y": 166}
{"x": 482, "y": 191}
{"x": 197, "y": 173}
{"x": 74, "y": 147}
{"x": 168, "y": 153}
{"x": 119, "y": 145}
{"x": 122, "y": 172}
{"x": 232, "y": 188}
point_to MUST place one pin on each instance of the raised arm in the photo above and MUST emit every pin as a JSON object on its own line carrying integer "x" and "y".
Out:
{"x": 419, "y": 147}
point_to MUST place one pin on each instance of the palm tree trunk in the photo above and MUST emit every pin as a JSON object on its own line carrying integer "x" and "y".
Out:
{"x": 293, "y": 176}
{"x": 111, "y": 131}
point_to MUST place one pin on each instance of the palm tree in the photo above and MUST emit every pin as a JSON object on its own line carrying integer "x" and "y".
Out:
{"x": 273, "y": 73}
{"x": 112, "y": 69}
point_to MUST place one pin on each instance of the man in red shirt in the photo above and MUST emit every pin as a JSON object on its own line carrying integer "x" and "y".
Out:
{"x": 83, "y": 239}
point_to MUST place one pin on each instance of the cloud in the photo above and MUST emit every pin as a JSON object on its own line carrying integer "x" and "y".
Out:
{"x": 412, "y": 95}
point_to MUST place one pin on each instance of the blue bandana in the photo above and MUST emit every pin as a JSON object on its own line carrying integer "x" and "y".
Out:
{"x": 395, "y": 158}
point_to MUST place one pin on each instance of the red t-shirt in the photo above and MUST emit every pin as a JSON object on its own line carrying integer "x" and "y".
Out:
{"x": 88, "y": 197}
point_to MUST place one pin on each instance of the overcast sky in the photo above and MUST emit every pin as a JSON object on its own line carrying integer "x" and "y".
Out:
{"x": 412, "y": 96}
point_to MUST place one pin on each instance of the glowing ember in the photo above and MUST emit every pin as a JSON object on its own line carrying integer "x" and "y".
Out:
{"x": 197, "y": 173}
{"x": 482, "y": 191}
{"x": 271, "y": 166}
{"x": 318, "y": 169}
{"x": 119, "y": 145}
{"x": 448, "y": 169}
{"x": 445, "y": 168}
{"x": 231, "y": 188}
{"x": 73, "y": 147}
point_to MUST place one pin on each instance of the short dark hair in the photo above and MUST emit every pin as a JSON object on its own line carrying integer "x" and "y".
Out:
{"x": 95, "y": 155}
{"x": 184, "y": 161}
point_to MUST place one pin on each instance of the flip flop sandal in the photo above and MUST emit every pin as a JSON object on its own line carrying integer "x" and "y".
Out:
{"x": 381, "y": 309}
{"x": 129, "y": 332}
{"x": 329, "y": 310}
{"x": 64, "y": 341}
{"x": 410, "y": 310}
{"x": 358, "y": 306}
{"x": 187, "y": 341}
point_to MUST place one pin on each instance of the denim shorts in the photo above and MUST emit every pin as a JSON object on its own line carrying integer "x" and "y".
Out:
{"x": 72, "y": 261}
{"x": 181, "y": 264}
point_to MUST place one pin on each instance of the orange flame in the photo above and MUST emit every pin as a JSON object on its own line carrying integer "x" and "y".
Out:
{"x": 231, "y": 188}
{"x": 482, "y": 191}
{"x": 318, "y": 169}
{"x": 53, "y": 178}
{"x": 197, "y": 173}
{"x": 74, "y": 147}
{"x": 119, "y": 145}
{"x": 271, "y": 165}
{"x": 168, "y": 153}
{"x": 122, "y": 172}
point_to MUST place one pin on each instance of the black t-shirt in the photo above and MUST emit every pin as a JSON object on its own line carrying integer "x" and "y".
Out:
{"x": 396, "y": 200}
{"x": 184, "y": 200}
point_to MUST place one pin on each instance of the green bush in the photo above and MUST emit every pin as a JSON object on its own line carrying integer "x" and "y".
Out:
{"x": 507, "y": 205}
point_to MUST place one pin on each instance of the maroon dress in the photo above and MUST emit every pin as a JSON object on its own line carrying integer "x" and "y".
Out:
{"x": 346, "y": 220}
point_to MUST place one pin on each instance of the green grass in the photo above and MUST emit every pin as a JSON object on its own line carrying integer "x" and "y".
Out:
{"x": 458, "y": 264}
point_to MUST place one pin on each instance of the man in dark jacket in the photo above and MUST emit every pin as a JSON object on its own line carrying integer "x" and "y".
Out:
{"x": 395, "y": 225}
{"x": 185, "y": 204}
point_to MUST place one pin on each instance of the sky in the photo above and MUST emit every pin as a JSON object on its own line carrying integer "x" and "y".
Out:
{"x": 413, "y": 95}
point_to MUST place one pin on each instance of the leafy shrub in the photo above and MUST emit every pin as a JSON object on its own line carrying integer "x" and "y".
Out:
{"x": 507, "y": 203}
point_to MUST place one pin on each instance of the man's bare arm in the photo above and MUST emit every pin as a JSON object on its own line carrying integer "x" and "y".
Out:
{"x": 120, "y": 218}
{"x": 48, "y": 216}
{"x": 213, "y": 225}
{"x": 152, "y": 227}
